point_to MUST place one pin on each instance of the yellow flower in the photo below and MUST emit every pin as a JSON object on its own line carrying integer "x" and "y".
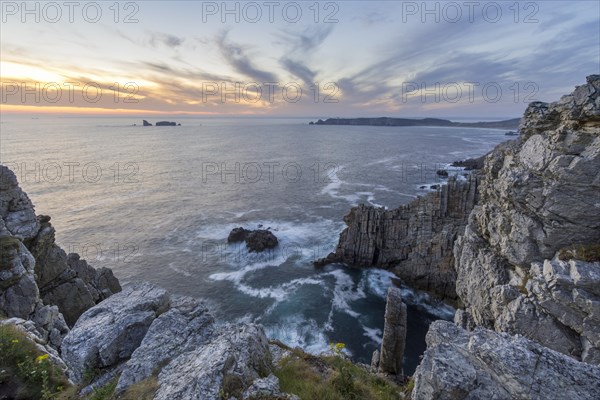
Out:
{"x": 15, "y": 341}
{"x": 41, "y": 358}
{"x": 340, "y": 346}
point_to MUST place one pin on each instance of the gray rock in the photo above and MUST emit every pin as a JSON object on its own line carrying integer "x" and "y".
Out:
{"x": 108, "y": 333}
{"x": 186, "y": 326}
{"x": 37, "y": 272}
{"x": 16, "y": 210}
{"x": 222, "y": 368}
{"x": 30, "y": 329}
{"x": 483, "y": 364}
{"x": 266, "y": 388}
{"x": 415, "y": 240}
{"x": 394, "y": 333}
{"x": 537, "y": 195}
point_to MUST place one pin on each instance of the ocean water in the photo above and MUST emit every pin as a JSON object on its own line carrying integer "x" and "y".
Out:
{"x": 157, "y": 204}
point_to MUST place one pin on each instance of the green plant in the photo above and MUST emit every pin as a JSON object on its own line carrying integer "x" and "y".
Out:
{"x": 105, "y": 392}
{"x": 27, "y": 371}
{"x": 332, "y": 378}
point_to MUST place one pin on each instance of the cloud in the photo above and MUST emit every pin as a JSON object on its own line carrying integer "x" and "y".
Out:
{"x": 165, "y": 39}
{"x": 299, "y": 70}
{"x": 236, "y": 56}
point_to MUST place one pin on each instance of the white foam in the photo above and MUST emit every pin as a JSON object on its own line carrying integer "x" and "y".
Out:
{"x": 379, "y": 280}
{"x": 373, "y": 333}
{"x": 296, "y": 331}
{"x": 179, "y": 270}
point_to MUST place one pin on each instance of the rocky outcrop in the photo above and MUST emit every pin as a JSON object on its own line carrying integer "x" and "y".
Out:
{"x": 38, "y": 282}
{"x": 143, "y": 332}
{"x": 185, "y": 326}
{"x": 483, "y": 364}
{"x": 539, "y": 194}
{"x": 415, "y": 240}
{"x": 394, "y": 334}
{"x": 108, "y": 334}
{"x": 256, "y": 240}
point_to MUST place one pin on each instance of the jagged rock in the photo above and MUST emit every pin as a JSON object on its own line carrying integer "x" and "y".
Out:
{"x": 222, "y": 368}
{"x": 20, "y": 293}
{"x": 237, "y": 235}
{"x": 16, "y": 209}
{"x": 146, "y": 123}
{"x": 537, "y": 196}
{"x": 166, "y": 123}
{"x": 187, "y": 325}
{"x": 260, "y": 240}
{"x": 257, "y": 240}
{"x": 415, "y": 240}
{"x": 394, "y": 333}
{"x": 483, "y": 364}
{"x": 49, "y": 277}
{"x": 375, "y": 358}
{"x": 67, "y": 281}
{"x": 108, "y": 333}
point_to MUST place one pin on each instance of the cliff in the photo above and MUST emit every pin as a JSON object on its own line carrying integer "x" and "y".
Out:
{"x": 539, "y": 195}
{"x": 38, "y": 281}
{"x": 528, "y": 267}
{"x": 415, "y": 240}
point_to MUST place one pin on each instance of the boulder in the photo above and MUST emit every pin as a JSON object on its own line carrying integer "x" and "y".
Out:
{"x": 483, "y": 364}
{"x": 223, "y": 368}
{"x": 260, "y": 240}
{"x": 238, "y": 235}
{"x": 108, "y": 333}
{"x": 256, "y": 240}
{"x": 185, "y": 326}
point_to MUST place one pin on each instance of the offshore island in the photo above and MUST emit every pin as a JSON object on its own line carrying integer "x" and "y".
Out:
{"x": 515, "y": 248}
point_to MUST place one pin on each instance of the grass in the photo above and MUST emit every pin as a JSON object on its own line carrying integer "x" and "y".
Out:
{"x": 25, "y": 371}
{"x": 584, "y": 252}
{"x": 332, "y": 378}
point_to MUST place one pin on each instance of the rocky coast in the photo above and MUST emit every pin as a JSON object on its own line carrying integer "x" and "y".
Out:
{"x": 516, "y": 248}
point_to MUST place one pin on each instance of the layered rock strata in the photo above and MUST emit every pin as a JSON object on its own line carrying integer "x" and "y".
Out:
{"x": 415, "y": 240}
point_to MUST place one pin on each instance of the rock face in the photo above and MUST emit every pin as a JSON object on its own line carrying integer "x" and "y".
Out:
{"x": 36, "y": 271}
{"x": 108, "y": 333}
{"x": 539, "y": 194}
{"x": 38, "y": 282}
{"x": 483, "y": 364}
{"x": 256, "y": 241}
{"x": 415, "y": 240}
{"x": 394, "y": 333}
{"x": 143, "y": 332}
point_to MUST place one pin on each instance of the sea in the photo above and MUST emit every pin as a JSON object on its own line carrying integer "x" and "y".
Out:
{"x": 157, "y": 204}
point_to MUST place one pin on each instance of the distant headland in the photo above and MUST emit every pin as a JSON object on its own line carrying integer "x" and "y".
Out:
{"x": 387, "y": 121}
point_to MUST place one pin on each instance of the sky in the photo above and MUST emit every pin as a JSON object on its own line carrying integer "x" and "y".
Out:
{"x": 470, "y": 59}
